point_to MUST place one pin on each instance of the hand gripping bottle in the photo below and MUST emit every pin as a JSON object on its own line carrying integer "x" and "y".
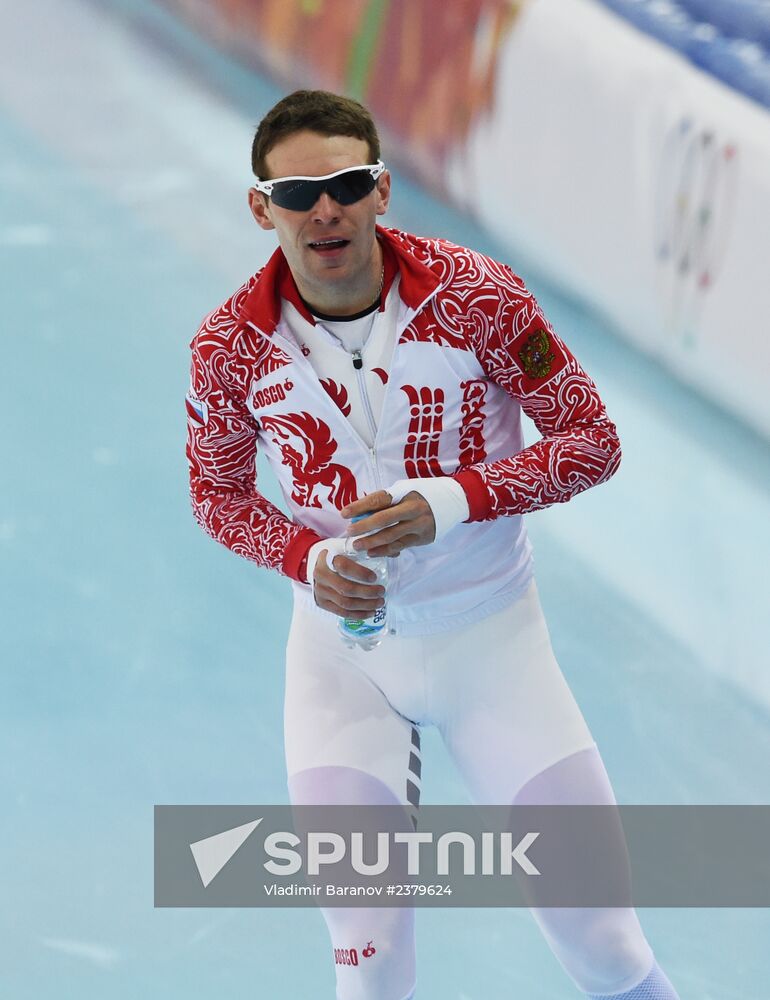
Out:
{"x": 366, "y": 633}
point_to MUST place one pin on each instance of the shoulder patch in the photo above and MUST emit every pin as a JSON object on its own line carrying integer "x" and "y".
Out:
{"x": 536, "y": 357}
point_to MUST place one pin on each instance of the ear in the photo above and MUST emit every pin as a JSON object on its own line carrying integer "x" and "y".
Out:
{"x": 260, "y": 209}
{"x": 383, "y": 193}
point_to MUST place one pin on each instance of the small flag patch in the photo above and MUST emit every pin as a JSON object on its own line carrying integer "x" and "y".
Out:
{"x": 197, "y": 411}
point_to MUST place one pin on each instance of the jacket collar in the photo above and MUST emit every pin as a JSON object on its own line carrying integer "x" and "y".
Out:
{"x": 262, "y": 305}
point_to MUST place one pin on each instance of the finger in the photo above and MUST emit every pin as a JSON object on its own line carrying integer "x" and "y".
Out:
{"x": 388, "y": 536}
{"x": 388, "y": 551}
{"x": 412, "y": 507}
{"x": 342, "y": 590}
{"x": 375, "y": 522}
{"x": 371, "y": 502}
{"x": 349, "y": 610}
{"x": 342, "y": 566}
{"x": 345, "y": 567}
{"x": 350, "y": 604}
{"x": 397, "y": 547}
{"x": 340, "y": 583}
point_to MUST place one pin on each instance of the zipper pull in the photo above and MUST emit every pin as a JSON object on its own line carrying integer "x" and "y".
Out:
{"x": 357, "y": 360}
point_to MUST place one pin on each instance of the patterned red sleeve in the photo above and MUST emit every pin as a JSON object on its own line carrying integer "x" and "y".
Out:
{"x": 222, "y": 457}
{"x": 579, "y": 448}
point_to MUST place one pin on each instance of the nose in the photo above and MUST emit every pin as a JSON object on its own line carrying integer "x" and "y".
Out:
{"x": 326, "y": 209}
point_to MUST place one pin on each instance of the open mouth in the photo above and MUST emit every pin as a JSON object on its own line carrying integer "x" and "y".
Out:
{"x": 329, "y": 246}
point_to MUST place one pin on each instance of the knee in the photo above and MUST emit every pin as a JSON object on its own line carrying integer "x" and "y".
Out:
{"x": 373, "y": 952}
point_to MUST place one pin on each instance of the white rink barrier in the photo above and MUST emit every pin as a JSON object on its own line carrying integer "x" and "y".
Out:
{"x": 638, "y": 182}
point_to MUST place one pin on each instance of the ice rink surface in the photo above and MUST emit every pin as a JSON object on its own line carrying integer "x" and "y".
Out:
{"x": 142, "y": 664}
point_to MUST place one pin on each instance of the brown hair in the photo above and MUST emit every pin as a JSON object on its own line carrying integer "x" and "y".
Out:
{"x": 318, "y": 111}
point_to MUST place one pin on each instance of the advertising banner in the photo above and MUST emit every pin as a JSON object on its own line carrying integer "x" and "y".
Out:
{"x": 599, "y": 155}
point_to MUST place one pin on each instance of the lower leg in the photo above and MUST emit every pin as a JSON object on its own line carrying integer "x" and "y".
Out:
{"x": 373, "y": 947}
{"x": 603, "y": 950}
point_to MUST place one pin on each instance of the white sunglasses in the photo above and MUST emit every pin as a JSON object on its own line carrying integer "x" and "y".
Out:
{"x": 300, "y": 193}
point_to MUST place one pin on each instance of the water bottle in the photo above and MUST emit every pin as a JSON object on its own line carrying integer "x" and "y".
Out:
{"x": 366, "y": 633}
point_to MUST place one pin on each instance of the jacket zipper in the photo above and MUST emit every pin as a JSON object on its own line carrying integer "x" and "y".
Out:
{"x": 358, "y": 365}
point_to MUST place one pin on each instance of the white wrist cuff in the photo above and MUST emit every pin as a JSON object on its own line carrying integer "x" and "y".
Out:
{"x": 333, "y": 547}
{"x": 445, "y": 496}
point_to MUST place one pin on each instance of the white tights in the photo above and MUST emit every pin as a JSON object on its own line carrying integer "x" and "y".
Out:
{"x": 496, "y": 694}
{"x": 603, "y": 949}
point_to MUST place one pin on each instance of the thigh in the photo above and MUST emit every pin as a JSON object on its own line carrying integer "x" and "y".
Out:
{"x": 344, "y": 740}
{"x": 501, "y": 702}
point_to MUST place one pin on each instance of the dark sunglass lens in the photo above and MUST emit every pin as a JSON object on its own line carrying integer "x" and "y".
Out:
{"x": 349, "y": 188}
{"x": 297, "y": 196}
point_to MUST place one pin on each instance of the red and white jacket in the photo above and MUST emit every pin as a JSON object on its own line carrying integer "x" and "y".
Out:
{"x": 473, "y": 350}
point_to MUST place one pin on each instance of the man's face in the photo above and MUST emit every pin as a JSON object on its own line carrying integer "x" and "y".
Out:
{"x": 343, "y": 272}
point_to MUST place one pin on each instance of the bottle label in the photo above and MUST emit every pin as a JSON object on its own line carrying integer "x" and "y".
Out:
{"x": 367, "y": 626}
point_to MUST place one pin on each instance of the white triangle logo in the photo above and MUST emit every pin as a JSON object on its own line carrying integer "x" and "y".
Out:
{"x": 212, "y": 854}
